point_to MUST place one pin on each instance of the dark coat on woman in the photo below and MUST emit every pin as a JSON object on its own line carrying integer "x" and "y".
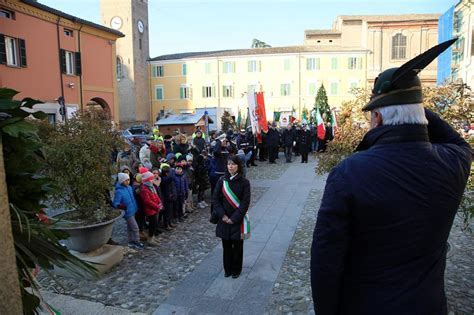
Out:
{"x": 201, "y": 176}
{"x": 305, "y": 140}
{"x": 379, "y": 246}
{"x": 241, "y": 188}
{"x": 199, "y": 143}
{"x": 151, "y": 201}
{"x": 181, "y": 148}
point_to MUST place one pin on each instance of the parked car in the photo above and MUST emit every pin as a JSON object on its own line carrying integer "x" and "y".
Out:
{"x": 127, "y": 135}
{"x": 139, "y": 130}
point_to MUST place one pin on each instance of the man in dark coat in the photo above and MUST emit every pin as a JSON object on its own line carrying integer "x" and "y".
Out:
{"x": 288, "y": 141}
{"x": 379, "y": 246}
{"x": 305, "y": 143}
{"x": 273, "y": 140}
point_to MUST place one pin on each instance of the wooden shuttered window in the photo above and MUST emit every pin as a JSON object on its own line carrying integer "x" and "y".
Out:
{"x": 22, "y": 46}
{"x": 77, "y": 61}
{"x": 63, "y": 60}
{"x": 3, "y": 50}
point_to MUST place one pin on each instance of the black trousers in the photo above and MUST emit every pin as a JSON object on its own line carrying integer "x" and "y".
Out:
{"x": 288, "y": 150}
{"x": 153, "y": 222}
{"x": 233, "y": 256}
{"x": 272, "y": 153}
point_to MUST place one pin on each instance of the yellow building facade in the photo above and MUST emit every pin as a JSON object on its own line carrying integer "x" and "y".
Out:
{"x": 289, "y": 77}
{"x": 349, "y": 55}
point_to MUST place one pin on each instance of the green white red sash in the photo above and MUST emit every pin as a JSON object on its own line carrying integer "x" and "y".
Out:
{"x": 234, "y": 201}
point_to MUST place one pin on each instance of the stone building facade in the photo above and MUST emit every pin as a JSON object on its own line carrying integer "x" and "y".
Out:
{"x": 131, "y": 18}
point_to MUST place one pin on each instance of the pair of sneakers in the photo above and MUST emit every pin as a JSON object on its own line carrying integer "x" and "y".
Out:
{"x": 202, "y": 204}
{"x": 136, "y": 245}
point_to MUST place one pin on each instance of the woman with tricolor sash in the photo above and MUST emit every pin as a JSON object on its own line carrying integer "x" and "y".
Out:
{"x": 231, "y": 200}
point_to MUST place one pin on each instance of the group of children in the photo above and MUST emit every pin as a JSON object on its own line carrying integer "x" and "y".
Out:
{"x": 157, "y": 199}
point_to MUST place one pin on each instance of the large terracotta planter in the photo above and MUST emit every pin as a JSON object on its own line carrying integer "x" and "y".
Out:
{"x": 88, "y": 238}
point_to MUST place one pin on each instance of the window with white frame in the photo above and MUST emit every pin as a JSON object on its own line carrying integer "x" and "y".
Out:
{"x": 399, "y": 46}
{"x": 353, "y": 84}
{"x": 254, "y": 66}
{"x": 184, "y": 69}
{"x": 312, "y": 88}
{"x": 312, "y": 64}
{"x": 334, "y": 63}
{"x": 159, "y": 93}
{"x": 207, "y": 68}
{"x": 185, "y": 92}
{"x": 69, "y": 62}
{"x": 227, "y": 90}
{"x": 287, "y": 64}
{"x": 208, "y": 91}
{"x": 68, "y": 32}
{"x": 334, "y": 88}
{"x": 11, "y": 48}
{"x": 158, "y": 71}
{"x": 229, "y": 67}
{"x": 285, "y": 89}
{"x": 354, "y": 63}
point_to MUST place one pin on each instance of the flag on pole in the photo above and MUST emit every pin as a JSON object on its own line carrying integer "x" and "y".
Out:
{"x": 321, "y": 127}
{"x": 239, "y": 120}
{"x": 253, "y": 112}
{"x": 262, "y": 115}
{"x": 276, "y": 116}
{"x": 333, "y": 122}
{"x": 247, "y": 120}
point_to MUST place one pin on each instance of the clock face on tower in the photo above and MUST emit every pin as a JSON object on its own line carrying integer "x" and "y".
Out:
{"x": 140, "y": 26}
{"x": 116, "y": 23}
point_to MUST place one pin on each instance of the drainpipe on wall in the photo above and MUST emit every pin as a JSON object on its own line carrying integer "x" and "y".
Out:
{"x": 299, "y": 85}
{"x": 80, "y": 77}
{"x": 59, "y": 54}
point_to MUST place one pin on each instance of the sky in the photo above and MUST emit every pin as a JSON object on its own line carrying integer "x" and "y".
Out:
{"x": 178, "y": 26}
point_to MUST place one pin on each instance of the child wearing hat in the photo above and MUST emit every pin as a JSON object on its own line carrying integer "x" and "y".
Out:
{"x": 152, "y": 205}
{"x": 125, "y": 199}
{"x": 182, "y": 189}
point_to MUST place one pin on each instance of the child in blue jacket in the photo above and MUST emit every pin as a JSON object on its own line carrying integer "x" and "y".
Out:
{"x": 125, "y": 199}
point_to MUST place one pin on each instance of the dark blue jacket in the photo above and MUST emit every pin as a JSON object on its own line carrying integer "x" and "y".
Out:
{"x": 125, "y": 198}
{"x": 168, "y": 186}
{"x": 182, "y": 185}
{"x": 379, "y": 246}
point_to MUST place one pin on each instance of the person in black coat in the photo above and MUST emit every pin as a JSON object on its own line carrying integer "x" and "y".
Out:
{"x": 305, "y": 143}
{"x": 250, "y": 138}
{"x": 288, "y": 141}
{"x": 379, "y": 246}
{"x": 231, "y": 212}
{"x": 273, "y": 140}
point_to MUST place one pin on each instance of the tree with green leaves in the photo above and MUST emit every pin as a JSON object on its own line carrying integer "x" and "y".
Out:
{"x": 322, "y": 103}
{"x": 259, "y": 44}
{"x": 36, "y": 242}
{"x": 227, "y": 122}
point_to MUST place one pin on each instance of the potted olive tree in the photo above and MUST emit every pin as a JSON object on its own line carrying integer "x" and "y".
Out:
{"x": 78, "y": 160}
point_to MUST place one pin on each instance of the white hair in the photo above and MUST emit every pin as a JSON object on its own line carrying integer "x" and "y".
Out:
{"x": 412, "y": 114}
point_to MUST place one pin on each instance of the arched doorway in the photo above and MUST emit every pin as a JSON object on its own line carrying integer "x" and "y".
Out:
{"x": 99, "y": 105}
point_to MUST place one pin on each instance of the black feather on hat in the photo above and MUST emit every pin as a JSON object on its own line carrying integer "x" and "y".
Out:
{"x": 397, "y": 86}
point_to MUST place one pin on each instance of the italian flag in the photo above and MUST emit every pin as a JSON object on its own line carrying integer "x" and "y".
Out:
{"x": 320, "y": 124}
{"x": 234, "y": 201}
{"x": 333, "y": 122}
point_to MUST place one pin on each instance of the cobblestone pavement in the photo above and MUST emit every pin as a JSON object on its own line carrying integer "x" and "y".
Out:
{"x": 292, "y": 290}
{"x": 144, "y": 278}
{"x": 264, "y": 170}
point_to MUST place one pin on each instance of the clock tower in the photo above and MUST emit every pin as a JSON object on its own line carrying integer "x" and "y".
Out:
{"x": 131, "y": 18}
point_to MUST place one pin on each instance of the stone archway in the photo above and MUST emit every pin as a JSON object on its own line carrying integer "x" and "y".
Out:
{"x": 100, "y": 105}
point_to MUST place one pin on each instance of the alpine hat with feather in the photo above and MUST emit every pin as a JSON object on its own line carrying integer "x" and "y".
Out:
{"x": 397, "y": 86}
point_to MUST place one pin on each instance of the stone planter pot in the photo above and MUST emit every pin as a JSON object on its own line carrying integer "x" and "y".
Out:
{"x": 88, "y": 238}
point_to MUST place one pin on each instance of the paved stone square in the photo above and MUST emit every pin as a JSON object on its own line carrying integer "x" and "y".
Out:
{"x": 184, "y": 275}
